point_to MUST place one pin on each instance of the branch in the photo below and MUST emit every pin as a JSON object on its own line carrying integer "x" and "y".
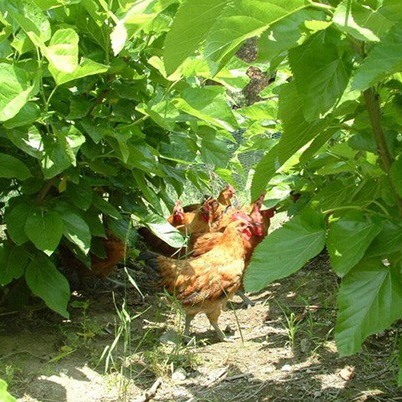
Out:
{"x": 373, "y": 108}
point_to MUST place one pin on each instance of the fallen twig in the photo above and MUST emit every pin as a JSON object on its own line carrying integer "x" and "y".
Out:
{"x": 150, "y": 393}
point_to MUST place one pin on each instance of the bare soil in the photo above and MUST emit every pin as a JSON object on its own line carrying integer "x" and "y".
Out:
{"x": 283, "y": 349}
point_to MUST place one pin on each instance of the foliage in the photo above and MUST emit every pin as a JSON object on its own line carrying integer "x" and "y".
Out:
{"x": 105, "y": 107}
{"x": 338, "y": 95}
{"x": 93, "y": 131}
{"x": 4, "y": 395}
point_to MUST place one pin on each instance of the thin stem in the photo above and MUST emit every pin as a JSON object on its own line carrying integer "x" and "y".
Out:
{"x": 373, "y": 108}
{"x": 321, "y": 6}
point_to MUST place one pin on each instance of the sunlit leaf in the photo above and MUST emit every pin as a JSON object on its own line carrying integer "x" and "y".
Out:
{"x": 348, "y": 239}
{"x": 286, "y": 250}
{"x": 369, "y": 301}
{"x": 15, "y": 90}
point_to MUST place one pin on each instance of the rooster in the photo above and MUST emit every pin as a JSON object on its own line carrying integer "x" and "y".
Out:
{"x": 204, "y": 284}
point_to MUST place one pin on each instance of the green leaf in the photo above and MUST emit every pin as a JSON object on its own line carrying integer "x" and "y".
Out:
{"x": 4, "y": 395}
{"x": 384, "y": 59}
{"x": 80, "y": 194}
{"x": 13, "y": 261}
{"x": 297, "y": 132}
{"x": 321, "y": 72}
{"x": 13, "y": 168}
{"x": 214, "y": 148}
{"x": 343, "y": 18}
{"x": 396, "y": 174}
{"x": 76, "y": 229}
{"x": 285, "y": 34}
{"x": 28, "y": 140}
{"x": 369, "y": 301}
{"x": 208, "y": 104}
{"x": 105, "y": 207}
{"x": 190, "y": 27}
{"x": 16, "y": 219}
{"x": 286, "y": 250}
{"x": 85, "y": 68}
{"x": 138, "y": 17}
{"x": 27, "y": 115}
{"x": 164, "y": 230}
{"x": 62, "y": 51}
{"x": 245, "y": 19}
{"x": 49, "y": 284}
{"x": 15, "y": 90}
{"x": 31, "y": 19}
{"x": 61, "y": 151}
{"x": 44, "y": 229}
{"x": 348, "y": 239}
{"x": 387, "y": 242}
{"x": 264, "y": 171}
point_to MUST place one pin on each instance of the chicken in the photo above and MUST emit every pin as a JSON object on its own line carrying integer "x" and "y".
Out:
{"x": 115, "y": 251}
{"x": 178, "y": 217}
{"x": 193, "y": 224}
{"x": 204, "y": 284}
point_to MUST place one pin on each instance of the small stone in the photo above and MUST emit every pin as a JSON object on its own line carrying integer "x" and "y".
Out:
{"x": 286, "y": 367}
{"x": 179, "y": 375}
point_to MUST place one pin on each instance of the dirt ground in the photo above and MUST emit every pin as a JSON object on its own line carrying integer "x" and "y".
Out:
{"x": 283, "y": 349}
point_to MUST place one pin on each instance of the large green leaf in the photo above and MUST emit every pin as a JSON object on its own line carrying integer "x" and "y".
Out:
{"x": 44, "y": 229}
{"x": 384, "y": 59}
{"x": 264, "y": 171}
{"x": 140, "y": 15}
{"x": 164, "y": 230}
{"x": 208, "y": 104}
{"x": 105, "y": 207}
{"x": 343, "y": 18}
{"x": 285, "y": 34}
{"x": 321, "y": 72}
{"x": 13, "y": 261}
{"x": 189, "y": 29}
{"x": 4, "y": 395}
{"x": 387, "y": 242}
{"x": 62, "y": 51}
{"x": 286, "y": 250}
{"x": 245, "y": 19}
{"x": 369, "y": 301}
{"x": 214, "y": 148}
{"x": 48, "y": 283}
{"x": 13, "y": 168}
{"x": 348, "y": 239}
{"x": 76, "y": 229}
{"x": 85, "y": 68}
{"x": 61, "y": 151}
{"x": 28, "y": 140}
{"x": 15, "y": 90}
{"x": 16, "y": 219}
{"x": 28, "y": 114}
{"x": 297, "y": 132}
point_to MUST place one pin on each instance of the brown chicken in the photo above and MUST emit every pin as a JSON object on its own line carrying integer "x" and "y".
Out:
{"x": 178, "y": 217}
{"x": 193, "y": 224}
{"x": 115, "y": 251}
{"x": 204, "y": 284}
